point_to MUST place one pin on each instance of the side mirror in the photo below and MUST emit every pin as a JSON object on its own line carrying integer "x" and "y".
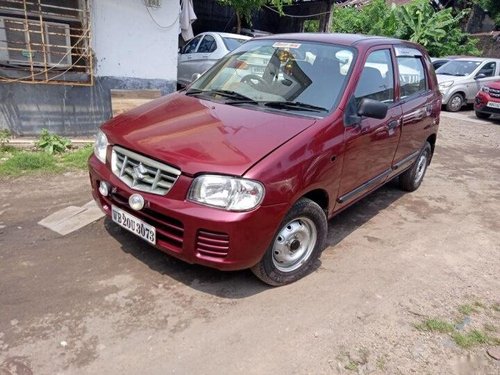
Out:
{"x": 480, "y": 75}
{"x": 372, "y": 108}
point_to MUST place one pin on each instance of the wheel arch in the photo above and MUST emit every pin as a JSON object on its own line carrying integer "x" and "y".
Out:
{"x": 320, "y": 197}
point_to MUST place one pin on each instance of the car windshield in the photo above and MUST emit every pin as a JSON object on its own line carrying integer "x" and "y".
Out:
{"x": 233, "y": 43}
{"x": 283, "y": 75}
{"x": 458, "y": 68}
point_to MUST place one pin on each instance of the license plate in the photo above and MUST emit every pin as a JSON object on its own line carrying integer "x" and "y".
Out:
{"x": 133, "y": 224}
{"x": 493, "y": 105}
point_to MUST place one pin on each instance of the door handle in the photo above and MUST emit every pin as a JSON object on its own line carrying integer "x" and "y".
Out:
{"x": 392, "y": 124}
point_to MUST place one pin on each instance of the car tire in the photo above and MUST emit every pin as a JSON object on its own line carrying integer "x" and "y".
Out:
{"x": 455, "y": 103}
{"x": 483, "y": 115}
{"x": 296, "y": 246}
{"x": 411, "y": 179}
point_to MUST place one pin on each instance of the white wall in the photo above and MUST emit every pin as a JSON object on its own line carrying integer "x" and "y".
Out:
{"x": 128, "y": 43}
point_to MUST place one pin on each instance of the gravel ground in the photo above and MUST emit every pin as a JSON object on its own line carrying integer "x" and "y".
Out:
{"x": 100, "y": 301}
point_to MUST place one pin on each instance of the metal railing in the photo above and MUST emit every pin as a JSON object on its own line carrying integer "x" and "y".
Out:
{"x": 44, "y": 43}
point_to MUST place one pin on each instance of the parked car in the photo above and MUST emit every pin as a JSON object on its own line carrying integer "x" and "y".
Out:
{"x": 203, "y": 51}
{"x": 461, "y": 79}
{"x": 244, "y": 168}
{"x": 487, "y": 101}
{"x": 438, "y": 62}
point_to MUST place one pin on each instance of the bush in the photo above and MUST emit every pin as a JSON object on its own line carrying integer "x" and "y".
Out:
{"x": 52, "y": 143}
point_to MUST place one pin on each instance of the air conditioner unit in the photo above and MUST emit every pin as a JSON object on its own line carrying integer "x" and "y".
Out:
{"x": 15, "y": 43}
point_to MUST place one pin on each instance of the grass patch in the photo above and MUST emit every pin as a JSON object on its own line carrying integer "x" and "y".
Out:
{"x": 496, "y": 307}
{"x": 435, "y": 325}
{"x": 76, "y": 159}
{"x": 16, "y": 162}
{"x": 467, "y": 309}
{"x": 352, "y": 366}
{"x": 473, "y": 338}
{"x": 22, "y": 161}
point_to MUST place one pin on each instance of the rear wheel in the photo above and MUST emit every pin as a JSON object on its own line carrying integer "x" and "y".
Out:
{"x": 296, "y": 245}
{"x": 483, "y": 115}
{"x": 413, "y": 177}
{"x": 455, "y": 103}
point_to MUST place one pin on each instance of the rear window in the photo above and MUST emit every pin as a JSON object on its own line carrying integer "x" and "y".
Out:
{"x": 233, "y": 43}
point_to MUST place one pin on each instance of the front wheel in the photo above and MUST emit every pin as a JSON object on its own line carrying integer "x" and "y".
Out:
{"x": 412, "y": 178}
{"x": 296, "y": 245}
{"x": 455, "y": 103}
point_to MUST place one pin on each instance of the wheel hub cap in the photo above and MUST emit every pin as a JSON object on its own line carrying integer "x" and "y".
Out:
{"x": 294, "y": 244}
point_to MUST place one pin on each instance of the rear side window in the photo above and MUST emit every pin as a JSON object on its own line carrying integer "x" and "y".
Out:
{"x": 233, "y": 43}
{"x": 207, "y": 45}
{"x": 377, "y": 79}
{"x": 412, "y": 79}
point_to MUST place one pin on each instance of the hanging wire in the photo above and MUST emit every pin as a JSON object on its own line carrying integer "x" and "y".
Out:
{"x": 158, "y": 24}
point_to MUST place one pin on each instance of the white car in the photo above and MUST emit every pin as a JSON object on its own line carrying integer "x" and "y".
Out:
{"x": 203, "y": 51}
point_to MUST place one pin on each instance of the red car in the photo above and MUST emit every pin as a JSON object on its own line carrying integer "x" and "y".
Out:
{"x": 244, "y": 168}
{"x": 487, "y": 100}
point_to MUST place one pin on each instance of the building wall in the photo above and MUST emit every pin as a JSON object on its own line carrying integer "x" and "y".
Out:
{"x": 128, "y": 43}
{"x": 131, "y": 52}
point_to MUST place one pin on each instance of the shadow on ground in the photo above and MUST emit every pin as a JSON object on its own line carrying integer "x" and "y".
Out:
{"x": 241, "y": 284}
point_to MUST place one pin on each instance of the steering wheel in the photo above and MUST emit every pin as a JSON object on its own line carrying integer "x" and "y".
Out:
{"x": 251, "y": 78}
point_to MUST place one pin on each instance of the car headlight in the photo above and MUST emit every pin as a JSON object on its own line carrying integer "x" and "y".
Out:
{"x": 101, "y": 146}
{"x": 485, "y": 89}
{"x": 445, "y": 85}
{"x": 226, "y": 192}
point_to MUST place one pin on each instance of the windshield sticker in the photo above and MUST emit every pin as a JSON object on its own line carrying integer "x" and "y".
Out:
{"x": 286, "y": 45}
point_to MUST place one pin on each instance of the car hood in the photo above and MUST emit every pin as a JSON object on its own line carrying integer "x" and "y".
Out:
{"x": 445, "y": 78}
{"x": 494, "y": 85}
{"x": 197, "y": 135}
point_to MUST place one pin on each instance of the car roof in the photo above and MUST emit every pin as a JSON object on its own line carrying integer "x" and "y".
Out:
{"x": 481, "y": 59}
{"x": 230, "y": 35}
{"x": 337, "y": 38}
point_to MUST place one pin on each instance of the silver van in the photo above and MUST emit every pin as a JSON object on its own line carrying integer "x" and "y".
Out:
{"x": 461, "y": 79}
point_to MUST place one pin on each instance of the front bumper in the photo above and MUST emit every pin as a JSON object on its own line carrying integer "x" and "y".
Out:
{"x": 482, "y": 100}
{"x": 192, "y": 232}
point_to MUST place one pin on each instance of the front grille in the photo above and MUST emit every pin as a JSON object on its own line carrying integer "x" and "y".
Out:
{"x": 142, "y": 173}
{"x": 212, "y": 244}
{"x": 494, "y": 93}
{"x": 169, "y": 231}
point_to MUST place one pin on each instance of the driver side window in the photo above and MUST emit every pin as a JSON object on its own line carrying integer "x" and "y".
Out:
{"x": 377, "y": 79}
{"x": 488, "y": 70}
{"x": 191, "y": 46}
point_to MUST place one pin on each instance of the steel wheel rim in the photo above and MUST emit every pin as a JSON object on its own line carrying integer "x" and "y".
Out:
{"x": 456, "y": 103}
{"x": 294, "y": 244}
{"x": 421, "y": 166}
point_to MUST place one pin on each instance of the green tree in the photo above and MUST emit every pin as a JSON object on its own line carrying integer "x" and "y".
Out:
{"x": 245, "y": 8}
{"x": 438, "y": 31}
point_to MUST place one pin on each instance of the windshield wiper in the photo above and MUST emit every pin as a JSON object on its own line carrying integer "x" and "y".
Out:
{"x": 296, "y": 106}
{"x": 230, "y": 94}
{"x": 195, "y": 92}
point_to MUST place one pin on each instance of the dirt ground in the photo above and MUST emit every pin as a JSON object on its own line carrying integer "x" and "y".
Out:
{"x": 100, "y": 301}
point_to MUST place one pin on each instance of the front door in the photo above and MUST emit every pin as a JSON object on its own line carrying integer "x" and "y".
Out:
{"x": 371, "y": 143}
{"x": 186, "y": 61}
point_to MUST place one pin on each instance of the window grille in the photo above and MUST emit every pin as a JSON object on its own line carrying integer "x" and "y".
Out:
{"x": 45, "y": 41}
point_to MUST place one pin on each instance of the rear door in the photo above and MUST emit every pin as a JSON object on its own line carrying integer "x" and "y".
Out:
{"x": 207, "y": 54}
{"x": 370, "y": 143}
{"x": 418, "y": 103}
